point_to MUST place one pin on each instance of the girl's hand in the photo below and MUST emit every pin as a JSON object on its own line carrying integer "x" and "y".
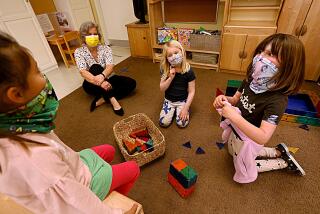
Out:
{"x": 133, "y": 209}
{"x": 218, "y": 102}
{"x": 98, "y": 80}
{"x": 184, "y": 114}
{"x": 172, "y": 72}
{"x": 228, "y": 111}
{"x": 106, "y": 85}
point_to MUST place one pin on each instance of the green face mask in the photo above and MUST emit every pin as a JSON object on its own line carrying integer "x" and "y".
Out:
{"x": 35, "y": 116}
{"x": 92, "y": 40}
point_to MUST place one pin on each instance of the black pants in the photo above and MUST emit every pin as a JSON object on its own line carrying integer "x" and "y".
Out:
{"x": 121, "y": 86}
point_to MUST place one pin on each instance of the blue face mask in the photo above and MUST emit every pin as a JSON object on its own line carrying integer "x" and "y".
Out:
{"x": 175, "y": 59}
{"x": 263, "y": 71}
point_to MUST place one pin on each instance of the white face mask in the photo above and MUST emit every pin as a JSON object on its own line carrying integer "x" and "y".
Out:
{"x": 175, "y": 59}
{"x": 264, "y": 70}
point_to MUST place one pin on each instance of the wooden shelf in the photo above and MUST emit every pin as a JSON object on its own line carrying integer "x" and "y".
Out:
{"x": 254, "y": 8}
{"x": 259, "y": 24}
{"x": 157, "y": 46}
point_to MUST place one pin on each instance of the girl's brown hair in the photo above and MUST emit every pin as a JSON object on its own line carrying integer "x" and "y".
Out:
{"x": 291, "y": 55}
{"x": 14, "y": 65}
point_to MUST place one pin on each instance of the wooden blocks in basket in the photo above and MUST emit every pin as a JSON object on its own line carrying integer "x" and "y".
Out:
{"x": 182, "y": 177}
{"x": 155, "y": 147}
{"x": 142, "y": 142}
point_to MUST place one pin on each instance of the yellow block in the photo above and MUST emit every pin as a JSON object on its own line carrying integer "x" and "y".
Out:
{"x": 293, "y": 149}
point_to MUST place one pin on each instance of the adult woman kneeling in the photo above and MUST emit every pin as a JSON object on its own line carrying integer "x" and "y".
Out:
{"x": 95, "y": 63}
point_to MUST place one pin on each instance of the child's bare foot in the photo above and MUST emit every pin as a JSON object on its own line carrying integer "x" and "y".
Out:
{"x": 116, "y": 106}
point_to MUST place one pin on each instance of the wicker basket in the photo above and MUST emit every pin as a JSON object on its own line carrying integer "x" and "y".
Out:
{"x": 123, "y": 128}
{"x": 205, "y": 42}
{"x": 205, "y": 58}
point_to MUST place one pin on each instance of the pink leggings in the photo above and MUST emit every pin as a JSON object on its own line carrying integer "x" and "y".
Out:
{"x": 124, "y": 175}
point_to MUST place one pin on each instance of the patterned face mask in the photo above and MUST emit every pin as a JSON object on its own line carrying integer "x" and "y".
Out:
{"x": 35, "y": 116}
{"x": 92, "y": 40}
{"x": 175, "y": 59}
{"x": 264, "y": 70}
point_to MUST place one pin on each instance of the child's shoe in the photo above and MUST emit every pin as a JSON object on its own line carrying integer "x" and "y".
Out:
{"x": 293, "y": 165}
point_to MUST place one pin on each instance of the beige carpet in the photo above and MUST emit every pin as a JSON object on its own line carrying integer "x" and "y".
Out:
{"x": 216, "y": 192}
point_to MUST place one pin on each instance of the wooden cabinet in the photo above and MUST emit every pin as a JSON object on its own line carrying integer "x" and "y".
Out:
{"x": 301, "y": 18}
{"x": 139, "y": 40}
{"x": 247, "y": 23}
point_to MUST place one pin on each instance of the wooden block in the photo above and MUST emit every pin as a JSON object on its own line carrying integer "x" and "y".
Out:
{"x": 186, "y": 176}
{"x": 179, "y": 164}
{"x": 183, "y": 192}
{"x": 129, "y": 146}
{"x": 140, "y": 133}
{"x": 149, "y": 145}
{"x": 117, "y": 200}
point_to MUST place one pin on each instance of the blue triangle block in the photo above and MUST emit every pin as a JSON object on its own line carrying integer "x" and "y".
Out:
{"x": 200, "y": 151}
{"x": 220, "y": 145}
{"x": 305, "y": 127}
{"x": 187, "y": 144}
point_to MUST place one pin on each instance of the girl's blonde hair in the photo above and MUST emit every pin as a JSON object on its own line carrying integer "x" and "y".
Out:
{"x": 165, "y": 65}
{"x": 291, "y": 55}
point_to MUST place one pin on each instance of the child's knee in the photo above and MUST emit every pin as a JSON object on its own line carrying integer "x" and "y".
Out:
{"x": 134, "y": 167}
{"x": 165, "y": 121}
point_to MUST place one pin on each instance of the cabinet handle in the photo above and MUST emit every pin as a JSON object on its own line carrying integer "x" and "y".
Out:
{"x": 298, "y": 30}
{"x": 240, "y": 54}
{"x": 244, "y": 55}
{"x": 304, "y": 30}
{"x": 144, "y": 37}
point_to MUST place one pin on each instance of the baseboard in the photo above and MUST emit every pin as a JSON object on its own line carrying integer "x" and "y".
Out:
{"x": 121, "y": 43}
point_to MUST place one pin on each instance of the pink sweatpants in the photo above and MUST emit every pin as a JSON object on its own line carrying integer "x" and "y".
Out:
{"x": 124, "y": 175}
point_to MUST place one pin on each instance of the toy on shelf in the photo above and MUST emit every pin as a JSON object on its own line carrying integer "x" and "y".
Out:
{"x": 182, "y": 177}
{"x": 303, "y": 108}
{"x": 184, "y": 36}
{"x": 167, "y": 34}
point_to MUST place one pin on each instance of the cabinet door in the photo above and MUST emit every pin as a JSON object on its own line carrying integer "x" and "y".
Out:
{"x": 18, "y": 19}
{"x": 292, "y": 16}
{"x": 231, "y": 49}
{"x": 310, "y": 36}
{"x": 139, "y": 42}
{"x": 251, "y": 44}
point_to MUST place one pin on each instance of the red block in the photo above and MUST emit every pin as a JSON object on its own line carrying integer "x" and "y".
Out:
{"x": 130, "y": 147}
{"x": 139, "y": 133}
{"x": 179, "y": 188}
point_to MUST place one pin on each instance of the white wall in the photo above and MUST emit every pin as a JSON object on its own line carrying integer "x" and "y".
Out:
{"x": 116, "y": 14}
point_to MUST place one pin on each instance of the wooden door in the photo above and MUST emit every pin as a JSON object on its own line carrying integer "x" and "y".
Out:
{"x": 18, "y": 19}
{"x": 82, "y": 11}
{"x": 251, "y": 44}
{"x": 139, "y": 39}
{"x": 292, "y": 16}
{"x": 232, "y": 48}
{"x": 310, "y": 36}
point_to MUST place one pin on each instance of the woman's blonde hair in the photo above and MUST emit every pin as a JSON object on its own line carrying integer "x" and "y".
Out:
{"x": 165, "y": 65}
{"x": 291, "y": 55}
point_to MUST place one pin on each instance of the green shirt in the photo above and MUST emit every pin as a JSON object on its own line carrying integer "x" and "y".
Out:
{"x": 100, "y": 170}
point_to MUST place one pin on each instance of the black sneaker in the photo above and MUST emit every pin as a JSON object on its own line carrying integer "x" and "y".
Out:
{"x": 293, "y": 165}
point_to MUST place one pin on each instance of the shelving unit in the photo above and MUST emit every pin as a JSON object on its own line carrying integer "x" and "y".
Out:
{"x": 155, "y": 11}
{"x": 246, "y": 24}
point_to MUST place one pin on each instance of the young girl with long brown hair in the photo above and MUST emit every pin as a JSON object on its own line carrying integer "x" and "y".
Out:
{"x": 276, "y": 71}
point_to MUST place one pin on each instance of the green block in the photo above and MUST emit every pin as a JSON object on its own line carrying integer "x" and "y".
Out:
{"x": 189, "y": 173}
{"x": 234, "y": 83}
